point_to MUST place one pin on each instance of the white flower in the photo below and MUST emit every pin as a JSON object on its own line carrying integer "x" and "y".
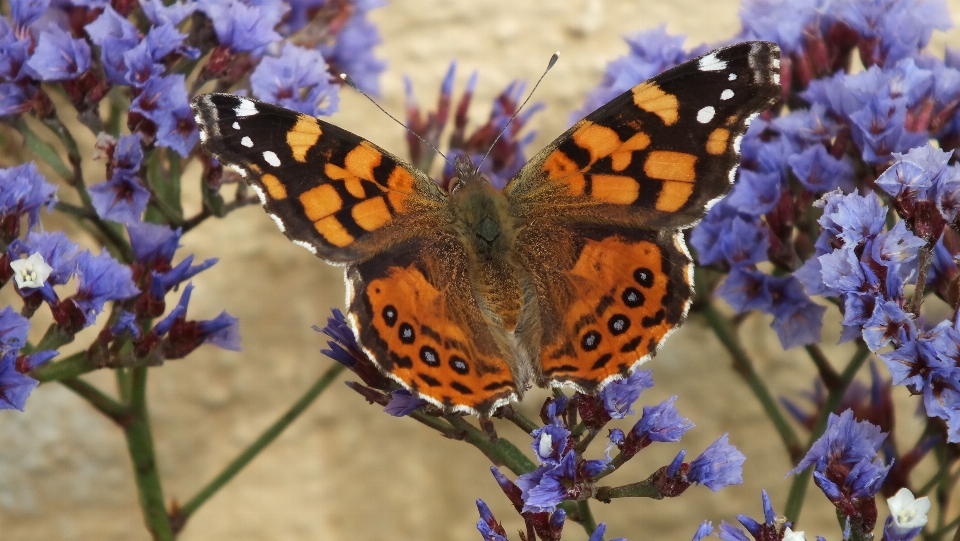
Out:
{"x": 790, "y": 535}
{"x": 908, "y": 512}
{"x": 31, "y": 272}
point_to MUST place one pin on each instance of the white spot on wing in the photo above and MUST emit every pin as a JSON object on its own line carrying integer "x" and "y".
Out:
{"x": 246, "y": 142}
{"x": 726, "y": 94}
{"x": 271, "y": 158}
{"x": 246, "y": 108}
{"x": 198, "y": 119}
{"x": 239, "y": 170}
{"x": 261, "y": 195}
{"x": 732, "y": 175}
{"x": 278, "y": 221}
{"x": 732, "y": 77}
{"x": 736, "y": 143}
{"x": 203, "y": 136}
{"x": 705, "y": 115}
{"x": 306, "y": 245}
{"x": 776, "y": 63}
{"x": 776, "y": 78}
{"x": 746, "y": 123}
{"x": 235, "y": 125}
{"x": 712, "y": 63}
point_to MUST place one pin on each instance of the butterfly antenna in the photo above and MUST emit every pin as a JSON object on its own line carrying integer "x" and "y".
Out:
{"x": 346, "y": 78}
{"x": 553, "y": 60}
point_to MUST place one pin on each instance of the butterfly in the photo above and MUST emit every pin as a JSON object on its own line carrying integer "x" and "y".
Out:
{"x": 572, "y": 275}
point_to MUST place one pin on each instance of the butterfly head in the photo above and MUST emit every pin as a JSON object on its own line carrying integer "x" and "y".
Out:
{"x": 481, "y": 210}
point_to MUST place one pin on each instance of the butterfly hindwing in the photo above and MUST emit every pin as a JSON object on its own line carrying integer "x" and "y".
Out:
{"x": 414, "y": 312}
{"x": 329, "y": 190}
{"x": 659, "y": 154}
{"x": 606, "y": 298}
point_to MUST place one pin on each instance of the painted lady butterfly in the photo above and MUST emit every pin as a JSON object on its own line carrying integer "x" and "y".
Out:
{"x": 573, "y": 274}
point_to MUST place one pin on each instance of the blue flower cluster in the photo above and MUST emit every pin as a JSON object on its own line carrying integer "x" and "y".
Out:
{"x": 144, "y": 52}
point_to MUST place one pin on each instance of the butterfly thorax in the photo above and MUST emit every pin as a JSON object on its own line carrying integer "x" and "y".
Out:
{"x": 482, "y": 220}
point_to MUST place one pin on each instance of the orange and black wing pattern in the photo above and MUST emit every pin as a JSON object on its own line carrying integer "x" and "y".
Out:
{"x": 414, "y": 311}
{"x": 330, "y": 191}
{"x": 659, "y": 154}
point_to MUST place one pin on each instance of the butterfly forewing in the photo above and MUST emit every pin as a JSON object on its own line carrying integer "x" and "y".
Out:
{"x": 329, "y": 190}
{"x": 659, "y": 154}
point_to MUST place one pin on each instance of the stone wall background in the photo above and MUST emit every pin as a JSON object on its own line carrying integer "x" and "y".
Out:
{"x": 345, "y": 470}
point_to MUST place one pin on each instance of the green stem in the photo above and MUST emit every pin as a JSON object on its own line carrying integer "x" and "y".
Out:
{"x": 116, "y": 411}
{"x": 511, "y": 414}
{"x": 743, "y": 365}
{"x": 643, "y": 489}
{"x": 798, "y": 489}
{"x": 943, "y": 531}
{"x": 585, "y": 516}
{"x": 230, "y": 471}
{"x": 501, "y": 452}
{"x": 140, "y": 445}
{"x": 80, "y": 363}
{"x": 830, "y": 377}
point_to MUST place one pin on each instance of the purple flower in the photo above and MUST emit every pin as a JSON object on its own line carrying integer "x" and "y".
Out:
{"x": 796, "y": 319}
{"x": 244, "y": 27}
{"x": 13, "y": 330}
{"x": 729, "y": 532}
{"x": 14, "y": 386}
{"x": 59, "y": 57}
{"x": 661, "y": 423}
{"x": 720, "y": 465}
{"x": 845, "y": 441}
{"x": 102, "y": 279}
{"x": 756, "y": 192}
{"x": 820, "y": 172}
{"x": 705, "y": 529}
{"x": 297, "y": 79}
{"x": 402, "y": 403}
{"x": 746, "y": 289}
{"x": 177, "y": 130}
{"x": 768, "y": 529}
{"x": 780, "y": 22}
{"x": 127, "y": 322}
{"x": 15, "y": 99}
{"x": 892, "y": 29}
{"x": 888, "y": 323}
{"x": 25, "y": 12}
{"x": 121, "y": 199}
{"x": 352, "y": 50}
{"x": 115, "y": 35}
{"x": 344, "y": 347}
{"x": 490, "y": 529}
{"x": 160, "y": 96}
{"x": 184, "y": 336}
{"x": 159, "y": 13}
{"x": 23, "y": 190}
{"x": 597, "y": 534}
{"x": 620, "y": 395}
{"x": 153, "y": 247}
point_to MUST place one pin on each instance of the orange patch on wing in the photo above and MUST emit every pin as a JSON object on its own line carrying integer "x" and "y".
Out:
{"x": 673, "y": 195}
{"x": 350, "y": 180}
{"x": 670, "y": 165}
{"x": 303, "y": 136}
{"x": 596, "y": 344}
{"x": 371, "y": 214}
{"x": 615, "y": 189}
{"x": 362, "y": 160}
{"x": 560, "y": 167}
{"x": 416, "y": 304}
{"x": 400, "y": 180}
{"x": 333, "y": 231}
{"x": 274, "y": 187}
{"x": 652, "y": 99}
{"x": 717, "y": 141}
{"x": 624, "y": 155}
{"x": 320, "y": 202}
{"x": 599, "y": 141}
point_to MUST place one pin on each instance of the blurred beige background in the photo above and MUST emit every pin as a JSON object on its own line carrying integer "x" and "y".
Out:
{"x": 345, "y": 470}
